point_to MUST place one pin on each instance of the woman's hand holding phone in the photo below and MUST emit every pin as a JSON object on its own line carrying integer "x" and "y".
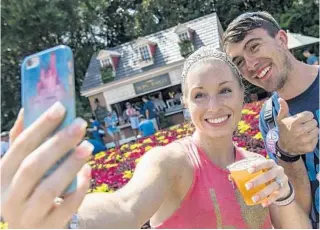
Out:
{"x": 26, "y": 200}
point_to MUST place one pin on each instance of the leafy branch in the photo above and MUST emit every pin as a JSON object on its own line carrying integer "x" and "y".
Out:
{"x": 186, "y": 48}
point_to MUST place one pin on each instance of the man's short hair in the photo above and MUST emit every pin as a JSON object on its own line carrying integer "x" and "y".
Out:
{"x": 308, "y": 49}
{"x": 239, "y": 27}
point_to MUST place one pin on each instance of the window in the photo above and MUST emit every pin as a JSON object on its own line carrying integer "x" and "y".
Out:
{"x": 144, "y": 51}
{"x": 105, "y": 62}
{"x": 184, "y": 36}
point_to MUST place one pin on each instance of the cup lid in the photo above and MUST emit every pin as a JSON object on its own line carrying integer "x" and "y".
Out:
{"x": 245, "y": 163}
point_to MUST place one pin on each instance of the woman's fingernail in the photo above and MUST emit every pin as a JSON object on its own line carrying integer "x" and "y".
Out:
{"x": 249, "y": 185}
{"x": 57, "y": 110}
{"x": 251, "y": 170}
{"x": 77, "y": 125}
{"x": 266, "y": 203}
{"x": 87, "y": 171}
{"x": 85, "y": 150}
{"x": 255, "y": 198}
{"x": 21, "y": 112}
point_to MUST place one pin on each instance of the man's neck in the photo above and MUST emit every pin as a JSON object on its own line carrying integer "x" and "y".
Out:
{"x": 300, "y": 78}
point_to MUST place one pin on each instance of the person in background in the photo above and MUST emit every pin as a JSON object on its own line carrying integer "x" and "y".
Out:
{"x": 114, "y": 116}
{"x": 312, "y": 59}
{"x": 125, "y": 116}
{"x": 177, "y": 97}
{"x": 154, "y": 101}
{"x": 159, "y": 104}
{"x": 150, "y": 111}
{"x": 146, "y": 127}
{"x": 139, "y": 107}
{"x": 111, "y": 125}
{"x": 4, "y": 142}
{"x": 100, "y": 111}
{"x": 97, "y": 146}
{"x": 96, "y": 129}
{"x": 133, "y": 114}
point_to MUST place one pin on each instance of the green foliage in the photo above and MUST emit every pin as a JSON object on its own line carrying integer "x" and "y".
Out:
{"x": 30, "y": 26}
{"x": 155, "y": 15}
{"x": 86, "y": 26}
{"x": 107, "y": 75}
{"x": 186, "y": 48}
{"x": 302, "y": 18}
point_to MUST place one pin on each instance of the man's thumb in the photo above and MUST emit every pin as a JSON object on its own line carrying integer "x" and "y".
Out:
{"x": 284, "y": 109}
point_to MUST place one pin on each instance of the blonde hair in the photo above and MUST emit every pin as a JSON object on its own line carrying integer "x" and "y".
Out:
{"x": 208, "y": 53}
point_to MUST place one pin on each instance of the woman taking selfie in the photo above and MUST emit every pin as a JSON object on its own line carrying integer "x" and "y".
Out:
{"x": 182, "y": 185}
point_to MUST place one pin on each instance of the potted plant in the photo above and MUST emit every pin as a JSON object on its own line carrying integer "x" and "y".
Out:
{"x": 186, "y": 48}
{"x": 107, "y": 74}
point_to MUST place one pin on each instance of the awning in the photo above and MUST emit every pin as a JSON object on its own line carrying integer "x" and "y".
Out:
{"x": 298, "y": 40}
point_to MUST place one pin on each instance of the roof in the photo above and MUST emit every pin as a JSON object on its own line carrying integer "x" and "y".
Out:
{"x": 167, "y": 51}
{"x": 298, "y": 40}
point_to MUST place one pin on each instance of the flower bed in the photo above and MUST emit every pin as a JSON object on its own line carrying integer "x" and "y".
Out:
{"x": 113, "y": 169}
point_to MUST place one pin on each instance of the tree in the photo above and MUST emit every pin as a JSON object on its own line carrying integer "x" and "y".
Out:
{"x": 301, "y": 17}
{"x": 155, "y": 15}
{"x": 30, "y": 26}
{"x": 25, "y": 30}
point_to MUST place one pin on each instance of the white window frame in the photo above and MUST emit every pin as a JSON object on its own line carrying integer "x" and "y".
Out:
{"x": 105, "y": 62}
{"x": 145, "y": 53}
{"x": 184, "y": 36}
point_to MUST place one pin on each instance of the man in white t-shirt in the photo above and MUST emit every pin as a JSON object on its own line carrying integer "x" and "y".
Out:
{"x": 158, "y": 103}
{"x": 4, "y": 142}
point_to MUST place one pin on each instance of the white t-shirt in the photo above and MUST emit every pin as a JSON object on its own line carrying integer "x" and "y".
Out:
{"x": 159, "y": 104}
{"x": 4, "y": 147}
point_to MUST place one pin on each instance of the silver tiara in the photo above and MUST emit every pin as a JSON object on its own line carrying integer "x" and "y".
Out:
{"x": 206, "y": 52}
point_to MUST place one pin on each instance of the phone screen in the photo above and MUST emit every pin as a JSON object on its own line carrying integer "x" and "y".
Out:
{"x": 48, "y": 77}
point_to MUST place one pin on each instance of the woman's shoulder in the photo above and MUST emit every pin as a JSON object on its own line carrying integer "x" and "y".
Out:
{"x": 174, "y": 149}
{"x": 173, "y": 154}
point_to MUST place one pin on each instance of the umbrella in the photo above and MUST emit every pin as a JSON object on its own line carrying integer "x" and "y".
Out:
{"x": 298, "y": 40}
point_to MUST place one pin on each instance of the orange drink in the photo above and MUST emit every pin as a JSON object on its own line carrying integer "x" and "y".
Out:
{"x": 240, "y": 175}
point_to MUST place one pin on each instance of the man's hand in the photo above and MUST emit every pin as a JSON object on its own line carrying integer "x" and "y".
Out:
{"x": 298, "y": 134}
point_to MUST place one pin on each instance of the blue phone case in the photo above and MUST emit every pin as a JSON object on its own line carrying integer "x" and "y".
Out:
{"x": 48, "y": 77}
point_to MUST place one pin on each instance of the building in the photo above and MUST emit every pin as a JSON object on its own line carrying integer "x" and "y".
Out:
{"x": 150, "y": 65}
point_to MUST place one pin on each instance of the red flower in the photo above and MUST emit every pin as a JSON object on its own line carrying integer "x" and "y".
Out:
{"x": 109, "y": 170}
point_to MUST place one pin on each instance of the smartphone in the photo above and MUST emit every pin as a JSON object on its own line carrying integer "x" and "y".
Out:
{"x": 48, "y": 77}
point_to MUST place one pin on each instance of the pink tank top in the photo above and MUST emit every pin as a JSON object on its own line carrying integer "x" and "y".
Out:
{"x": 213, "y": 201}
